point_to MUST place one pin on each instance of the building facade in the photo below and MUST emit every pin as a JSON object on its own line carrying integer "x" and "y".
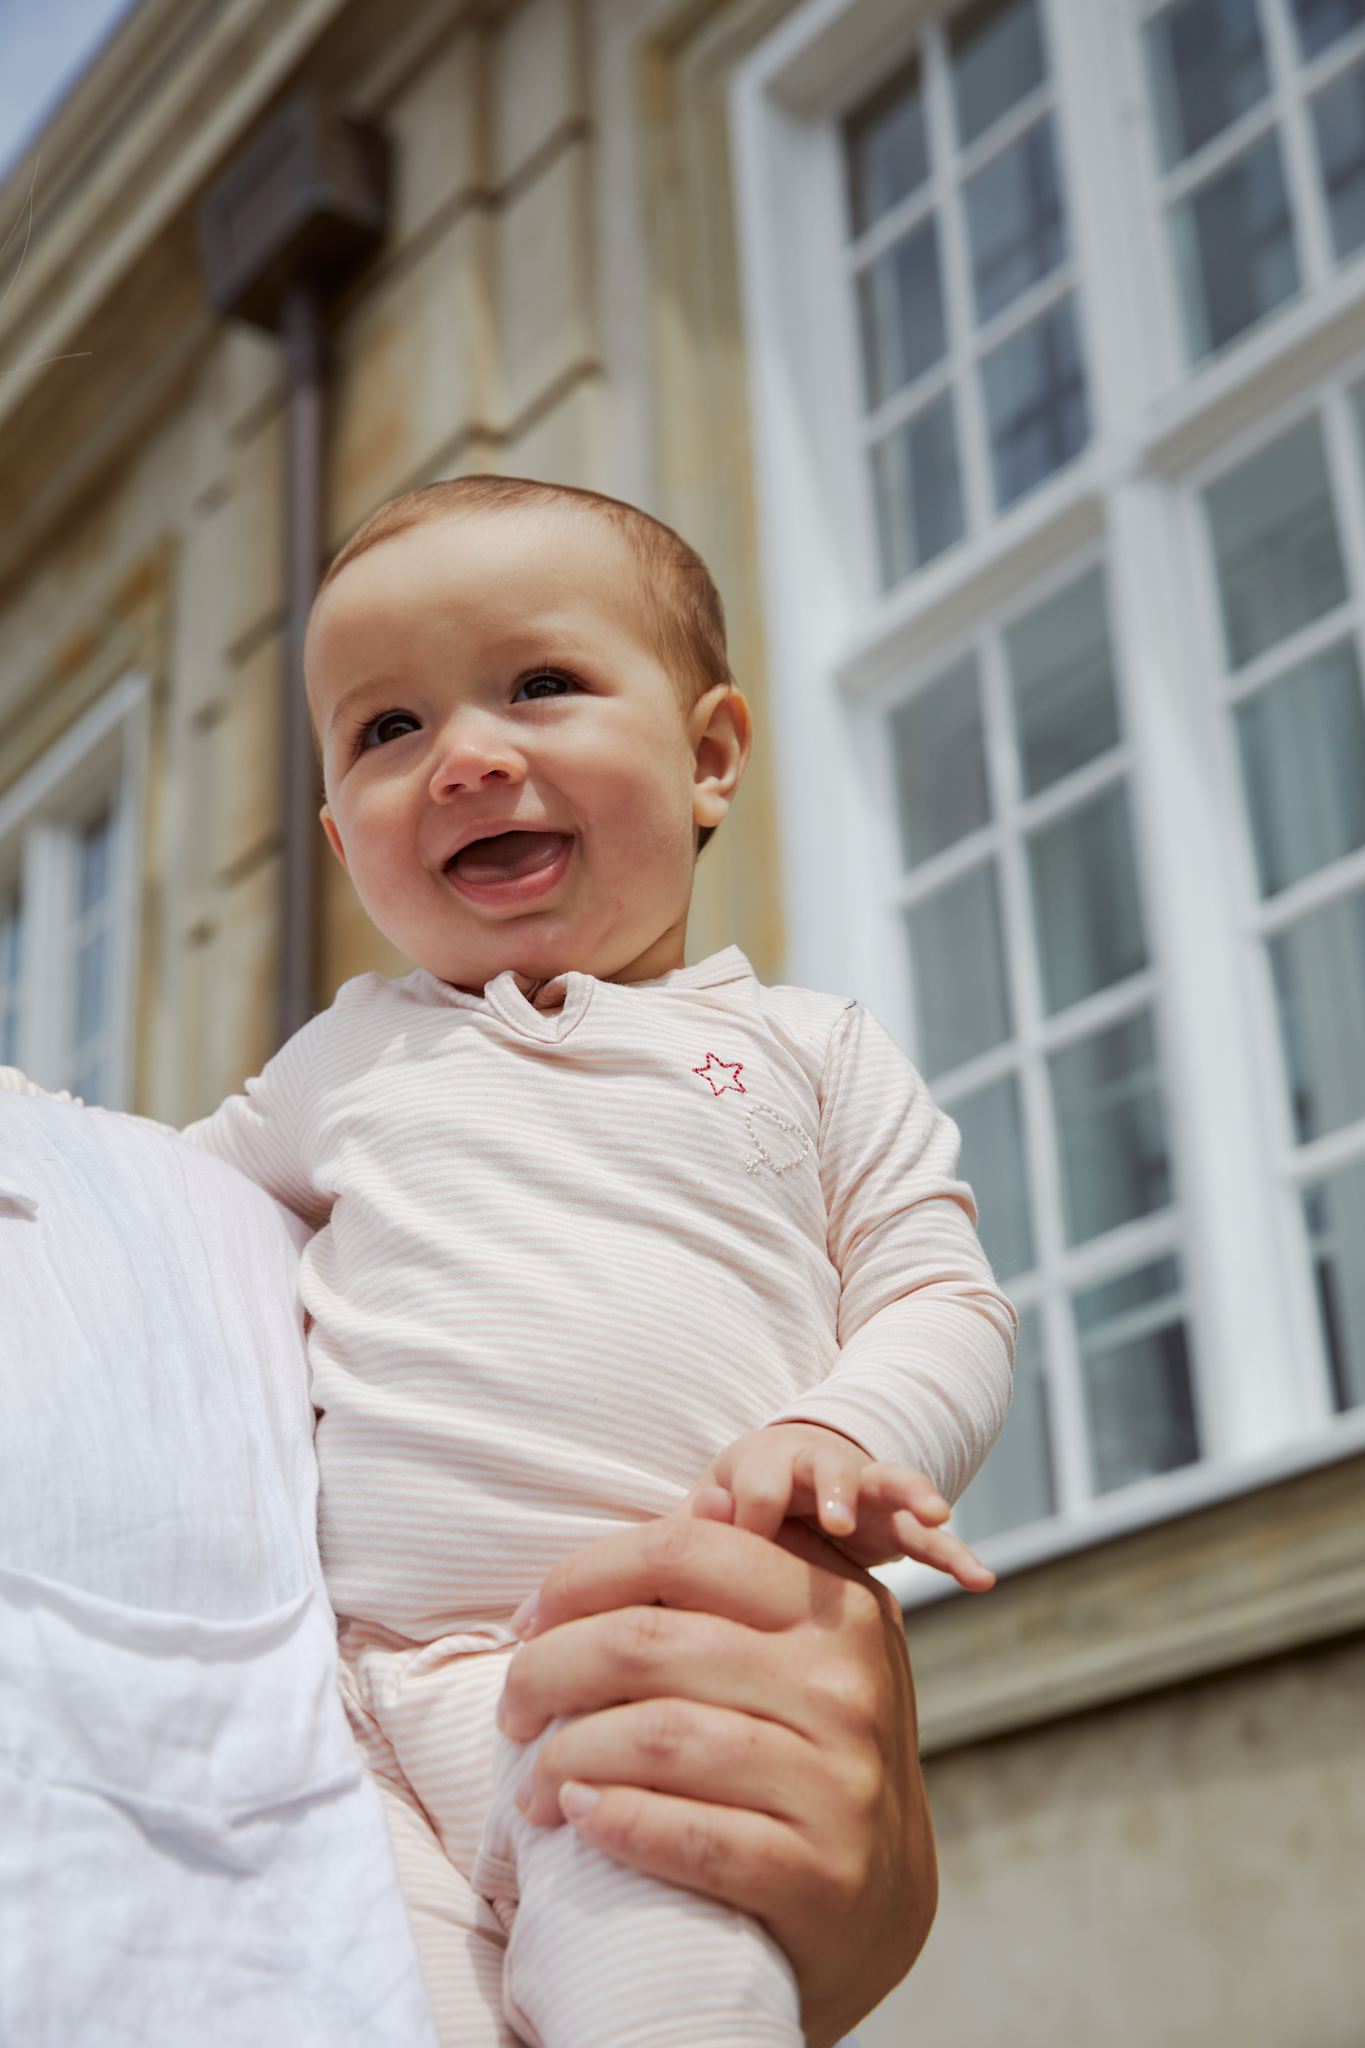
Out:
{"x": 1006, "y": 361}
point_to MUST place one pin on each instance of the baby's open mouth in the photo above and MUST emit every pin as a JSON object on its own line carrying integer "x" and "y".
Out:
{"x": 507, "y": 856}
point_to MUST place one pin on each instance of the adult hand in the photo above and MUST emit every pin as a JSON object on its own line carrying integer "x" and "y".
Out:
{"x": 746, "y": 1720}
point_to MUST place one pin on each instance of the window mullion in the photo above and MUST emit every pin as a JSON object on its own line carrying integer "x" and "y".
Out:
{"x": 1244, "y": 1337}
{"x": 957, "y": 283}
{"x": 1066, "y": 1413}
{"x": 1307, "y": 200}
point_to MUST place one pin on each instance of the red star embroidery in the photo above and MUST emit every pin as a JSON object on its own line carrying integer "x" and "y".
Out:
{"x": 729, "y": 1069}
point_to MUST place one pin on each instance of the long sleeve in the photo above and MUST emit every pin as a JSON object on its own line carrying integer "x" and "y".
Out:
{"x": 260, "y": 1131}
{"x": 926, "y": 1338}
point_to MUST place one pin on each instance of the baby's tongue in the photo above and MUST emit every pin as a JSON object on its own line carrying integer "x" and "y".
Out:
{"x": 508, "y": 856}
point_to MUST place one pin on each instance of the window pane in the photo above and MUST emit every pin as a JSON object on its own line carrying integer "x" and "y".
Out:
{"x": 997, "y": 56}
{"x": 94, "y": 862}
{"x": 1062, "y": 682}
{"x": 1135, "y": 1373}
{"x": 11, "y": 941}
{"x": 962, "y": 1004}
{"x": 1234, "y": 247}
{"x": 1319, "y": 969}
{"x": 1321, "y": 22}
{"x": 918, "y": 491}
{"x": 940, "y": 764}
{"x": 1339, "y": 123}
{"x": 993, "y": 1161}
{"x": 1036, "y": 409}
{"x": 1303, "y": 765}
{"x": 1015, "y": 1485}
{"x": 887, "y": 149}
{"x": 1275, "y": 543}
{"x": 900, "y": 312}
{"x": 1208, "y": 66}
{"x": 1334, "y": 1211}
{"x": 91, "y": 988}
{"x": 1110, "y": 1129}
{"x": 1085, "y": 900}
{"x": 1015, "y": 220}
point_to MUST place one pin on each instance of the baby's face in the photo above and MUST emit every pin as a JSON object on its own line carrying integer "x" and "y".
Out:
{"x": 511, "y": 779}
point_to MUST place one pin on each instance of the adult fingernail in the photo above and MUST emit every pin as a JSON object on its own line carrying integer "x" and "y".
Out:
{"x": 523, "y": 1622}
{"x": 576, "y": 1801}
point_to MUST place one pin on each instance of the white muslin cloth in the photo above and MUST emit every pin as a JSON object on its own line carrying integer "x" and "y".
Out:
{"x": 190, "y": 1854}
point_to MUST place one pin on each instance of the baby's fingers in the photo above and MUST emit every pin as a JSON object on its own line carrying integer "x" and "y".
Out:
{"x": 760, "y": 1480}
{"x": 830, "y": 1473}
{"x": 944, "y": 1551}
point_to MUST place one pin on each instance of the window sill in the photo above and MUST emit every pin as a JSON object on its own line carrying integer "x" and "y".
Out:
{"x": 1261, "y": 1558}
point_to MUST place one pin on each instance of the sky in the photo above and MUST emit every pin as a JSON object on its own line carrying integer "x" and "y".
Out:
{"x": 44, "y": 47}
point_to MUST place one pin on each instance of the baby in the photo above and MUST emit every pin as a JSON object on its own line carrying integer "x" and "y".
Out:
{"x": 595, "y": 1229}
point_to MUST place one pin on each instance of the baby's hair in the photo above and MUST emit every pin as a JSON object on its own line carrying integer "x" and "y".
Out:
{"x": 682, "y": 604}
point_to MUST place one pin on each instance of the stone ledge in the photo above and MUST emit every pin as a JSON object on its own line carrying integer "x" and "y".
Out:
{"x": 1267, "y": 1571}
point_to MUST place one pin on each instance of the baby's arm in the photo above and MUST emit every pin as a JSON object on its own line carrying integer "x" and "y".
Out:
{"x": 262, "y": 1131}
{"x": 919, "y": 1388}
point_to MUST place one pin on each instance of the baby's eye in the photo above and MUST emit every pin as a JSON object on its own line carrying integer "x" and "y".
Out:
{"x": 390, "y": 725}
{"x": 545, "y": 683}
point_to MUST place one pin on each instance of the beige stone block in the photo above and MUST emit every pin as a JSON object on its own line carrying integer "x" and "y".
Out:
{"x": 230, "y": 985}
{"x": 246, "y": 749}
{"x": 411, "y": 370}
{"x": 349, "y": 943}
{"x": 543, "y": 270}
{"x": 566, "y": 445}
{"x": 1179, "y": 1873}
{"x": 435, "y": 128}
{"x": 248, "y": 548}
{"x": 537, "y": 80}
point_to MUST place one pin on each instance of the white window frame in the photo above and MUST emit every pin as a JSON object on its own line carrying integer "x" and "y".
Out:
{"x": 99, "y": 764}
{"x": 1285, "y": 111}
{"x": 838, "y": 645}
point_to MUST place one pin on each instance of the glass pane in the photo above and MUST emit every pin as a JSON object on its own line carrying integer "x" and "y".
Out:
{"x": 993, "y": 1161}
{"x": 1321, "y": 22}
{"x": 1062, "y": 682}
{"x": 1275, "y": 543}
{"x": 900, "y": 312}
{"x": 918, "y": 491}
{"x": 1015, "y": 220}
{"x": 996, "y": 48}
{"x": 1036, "y": 409}
{"x": 1319, "y": 969}
{"x": 962, "y": 1004}
{"x": 1208, "y": 66}
{"x": 1234, "y": 248}
{"x": 9, "y": 1036}
{"x": 91, "y": 987}
{"x": 11, "y": 941}
{"x": 1303, "y": 765}
{"x": 1085, "y": 900}
{"x": 1015, "y": 1486}
{"x": 1334, "y": 1211}
{"x": 96, "y": 845}
{"x": 1339, "y": 123}
{"x": 940, "y": 752}
{"x": 91, "y": 1081}
{"x": 1111, "y": 1130}
{"x": 1135, "y": 1375}
{"x": 888, "y": 152}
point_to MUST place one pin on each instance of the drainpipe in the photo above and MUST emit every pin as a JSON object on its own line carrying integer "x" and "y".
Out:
{"x": 283, "y": 230}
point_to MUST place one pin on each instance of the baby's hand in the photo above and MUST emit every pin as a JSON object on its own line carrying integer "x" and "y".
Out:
{"x": 873, "y": 1512}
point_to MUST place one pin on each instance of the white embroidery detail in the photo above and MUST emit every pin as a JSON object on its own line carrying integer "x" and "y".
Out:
{"x": 786, "y": 1158}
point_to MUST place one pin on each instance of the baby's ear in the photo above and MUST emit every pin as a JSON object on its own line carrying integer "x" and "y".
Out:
{"x": 329, "y": 826}
{"x": 721, "y": 734}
